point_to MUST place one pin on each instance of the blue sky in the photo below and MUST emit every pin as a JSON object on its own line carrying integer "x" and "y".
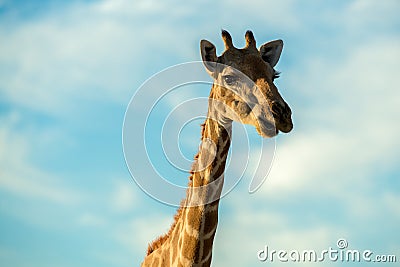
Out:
{"x": 68, "y": 70}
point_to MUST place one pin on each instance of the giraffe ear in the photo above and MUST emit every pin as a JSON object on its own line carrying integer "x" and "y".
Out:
{"x": 271, "y": 52}
{"x": 209, "y": 56}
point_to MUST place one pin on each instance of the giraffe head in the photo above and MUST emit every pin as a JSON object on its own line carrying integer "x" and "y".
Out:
{"x": 244, "y": 88}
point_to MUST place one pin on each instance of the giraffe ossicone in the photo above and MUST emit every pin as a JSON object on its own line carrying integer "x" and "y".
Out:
{"x": 243, "y": 91}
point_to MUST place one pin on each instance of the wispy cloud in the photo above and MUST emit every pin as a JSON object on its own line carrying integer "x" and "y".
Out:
{"x": 88, "y": 51}
{"x": 334, "y": 172}
{"x": 123, "y": 198}
{"x": 20, "y": 176}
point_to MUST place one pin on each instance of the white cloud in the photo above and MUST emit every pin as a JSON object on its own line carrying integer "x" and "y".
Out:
{"x": 362, "y": 12}
{"x": 128, "y": 8}
{"x": 351, "y": 124}
{"x": 19, "y": 176}
{"x": 123, "y": 198}
{"x": 138, "y": 232}
{"x": 390, "y": 200}
{"x": 251, "y": 227}
{"x": 83, "y": 54}
{"x": 267, "y": 12}
{"x": 91, "y": 220}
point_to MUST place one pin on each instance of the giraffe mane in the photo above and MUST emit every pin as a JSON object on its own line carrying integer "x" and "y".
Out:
{"x": 162, "y": 238}
{"x": 159, "y": 241}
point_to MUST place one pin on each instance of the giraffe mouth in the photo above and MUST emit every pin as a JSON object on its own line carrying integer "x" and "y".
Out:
{"x": 285, "y": 128}
{"x": 283, "y": 124}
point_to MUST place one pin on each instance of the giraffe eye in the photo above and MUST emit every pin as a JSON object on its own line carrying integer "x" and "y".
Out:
{"x": 230, "y": 79}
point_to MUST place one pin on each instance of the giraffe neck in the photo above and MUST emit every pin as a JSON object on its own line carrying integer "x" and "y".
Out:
{"x": 190, "y": 240}
{"x": 200, "y": 219}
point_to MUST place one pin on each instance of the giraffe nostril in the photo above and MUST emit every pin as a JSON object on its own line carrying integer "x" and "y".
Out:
{"x": 276, "y": 109}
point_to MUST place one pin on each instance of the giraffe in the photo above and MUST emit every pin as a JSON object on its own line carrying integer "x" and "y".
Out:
{"x": 243, "y": 91}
